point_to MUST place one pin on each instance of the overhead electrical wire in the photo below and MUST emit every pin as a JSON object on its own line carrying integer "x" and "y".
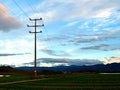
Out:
{"x": 35, "y": 11}
{"x": 12, "y": 12}
{"x": 32, "y": 8}
{"x": 20, "y": 8}
{"x": 46, "y": 33}
{"x": 3, "y": 11}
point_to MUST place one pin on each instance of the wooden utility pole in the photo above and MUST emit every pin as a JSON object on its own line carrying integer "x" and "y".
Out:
{"x": 35, "y": 42}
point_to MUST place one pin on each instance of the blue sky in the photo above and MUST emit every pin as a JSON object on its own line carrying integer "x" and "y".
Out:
{"x": 75, "y": 32}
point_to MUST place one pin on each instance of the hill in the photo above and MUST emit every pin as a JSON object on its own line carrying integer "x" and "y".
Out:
{"x": 114, "y": 67}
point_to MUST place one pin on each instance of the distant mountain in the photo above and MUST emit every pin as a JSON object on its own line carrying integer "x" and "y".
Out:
{"x": 114, "y": 67}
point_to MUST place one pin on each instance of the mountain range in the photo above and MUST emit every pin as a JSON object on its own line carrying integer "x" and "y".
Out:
{"x": 113, "y": 67}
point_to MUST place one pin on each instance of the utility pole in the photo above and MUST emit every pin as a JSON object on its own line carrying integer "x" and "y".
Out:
{"x": 35, "y": 41}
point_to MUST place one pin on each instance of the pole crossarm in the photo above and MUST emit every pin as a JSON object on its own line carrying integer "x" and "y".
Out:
{"x": 35, "y": 19}
{"x": 35, "y": 25}
{"x": 35, "y": 42}
{"x": 35, "y": 32}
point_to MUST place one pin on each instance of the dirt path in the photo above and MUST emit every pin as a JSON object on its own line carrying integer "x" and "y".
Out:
{"x": 19, "y": 81}
{"x": 61, "y": 87}
{"x": 76, "y": 87}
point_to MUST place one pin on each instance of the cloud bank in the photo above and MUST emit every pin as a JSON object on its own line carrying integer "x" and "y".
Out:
{"x": 102, "y": 47}
{"x": 55, "y": 52}
{"x": 48, "y": 62}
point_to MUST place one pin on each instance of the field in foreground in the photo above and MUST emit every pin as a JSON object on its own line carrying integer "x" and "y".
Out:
{"x": 69, "y": 82}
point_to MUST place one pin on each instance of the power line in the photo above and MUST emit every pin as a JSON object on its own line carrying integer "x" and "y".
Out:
{"x": 20, "y": 8}
{"x": 36, "y": 11}
{"x": 33, "y": 9}
{"x": 12, "y": 12}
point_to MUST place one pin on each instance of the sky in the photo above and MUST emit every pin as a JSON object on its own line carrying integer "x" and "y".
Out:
{"x": 75, "y": 32}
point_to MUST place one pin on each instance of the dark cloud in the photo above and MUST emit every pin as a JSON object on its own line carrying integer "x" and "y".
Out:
{"x": 97, "y": 47}
{"x": 79, "y": 62}
{"x": 49, "y": 52}
{"x": 103, "y": 47}
{"x": 8, "y": 22}
{"x": 76, "y": 39}
{"x": 84, "y": 62}
{"x": 95, "y": 37}
{"x": 51, "y": 60}
{"x": 5, "y": 54}
{"x": 56, "y": 38}
{"x": 55, "y": 53}
{"x": 47, "y": 60}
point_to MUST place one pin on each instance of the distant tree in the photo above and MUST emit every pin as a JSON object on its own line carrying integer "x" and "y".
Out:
{"x": 5, "y": 68}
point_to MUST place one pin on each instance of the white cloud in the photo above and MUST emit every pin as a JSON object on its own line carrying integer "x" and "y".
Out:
{"x": 53, "y": 64}
{"x": 19, "y": 46}
{"x": 48, "y": 16}
{"x": 117, "y": 52}
{"x": 16, "y": 60}
{"x": 41, "y": 46}
{"x": 72, "y": 23}
{"x": 106, "y": 13}
{"x": 70, "y": 51}
{"x": 74, "y": 10}
{"x": 1, "y": 43}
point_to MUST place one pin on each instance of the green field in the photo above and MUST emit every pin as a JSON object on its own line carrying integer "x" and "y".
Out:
{"x": 67, "y": 82}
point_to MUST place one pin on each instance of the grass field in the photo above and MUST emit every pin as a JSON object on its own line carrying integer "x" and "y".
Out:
{"x": 14, "y": 78}
{"x": 68, "y": 82}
